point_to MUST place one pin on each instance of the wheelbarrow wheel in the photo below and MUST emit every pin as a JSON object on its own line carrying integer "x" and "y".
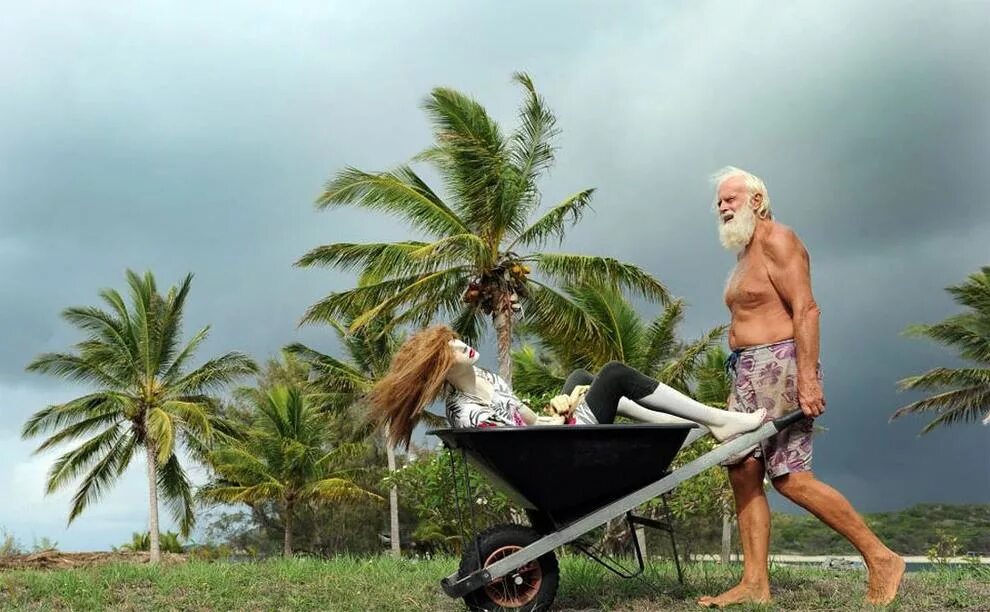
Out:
{"x": 532, "y": 587}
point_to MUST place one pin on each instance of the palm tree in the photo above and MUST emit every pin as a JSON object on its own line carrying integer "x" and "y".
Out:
{"x": 170, "y": 542}
{"x": 593, "y": 323}
{"x": 145, "y": 399}
{"x": 962, "y": 394}
{"x": 480, "y": 238}
{"x": 287, "y": 456}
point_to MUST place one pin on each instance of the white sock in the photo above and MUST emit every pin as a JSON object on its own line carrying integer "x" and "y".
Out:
{"x": 632, "y": 410}
{"x": 722, "y": 423}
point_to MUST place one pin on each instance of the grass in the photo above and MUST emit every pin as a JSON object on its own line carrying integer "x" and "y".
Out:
{"x": 383, "y": 584}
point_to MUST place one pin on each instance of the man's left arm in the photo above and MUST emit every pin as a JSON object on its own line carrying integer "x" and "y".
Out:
{"x": 790, "y": 273}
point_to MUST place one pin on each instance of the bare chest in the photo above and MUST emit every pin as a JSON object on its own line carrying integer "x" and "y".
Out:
{"x": 748, "y": 285}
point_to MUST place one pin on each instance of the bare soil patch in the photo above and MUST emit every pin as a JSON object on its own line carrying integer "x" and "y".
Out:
{"x": 54, "y": 559}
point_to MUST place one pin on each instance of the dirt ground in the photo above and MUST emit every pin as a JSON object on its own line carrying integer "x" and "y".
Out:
{"x": 54, "y": 559}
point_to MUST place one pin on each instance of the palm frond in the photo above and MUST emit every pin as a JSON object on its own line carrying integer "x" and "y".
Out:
{"x": 194, "y": 415}
{"x": 337, "y": 489}
{"x": 143, "y": 319}
{"x": 343, "y": 454}
{"x": 108, "y": 329}
{"x": 109, "y": 419}
{"x": 176, "y": 367}
{"x": 176, "y": 492}
{"x": 556, "y": 221}
{"x": 470, "y": 156}
{"x": 968, "y": 404}
{"x": 679, "y": 372}
{"x": 72, "y": 463}
{"x": 532, "y": 375}
{"x": 400, "y": 192}
{"x": 456, "y": 249}
{"x": 161, "y": 431}
{"x": 332, "y": 401}
{"x": 530, "y": 149}
{"x": 662, "y": 335}
{"x": 564, "y": 324}
{"x": 383, "y": 259}
{"x": 339, "y": 374}
{"x": 974, "y": 293}
{"x": 58, "y": 416}
{"x": 386, "y": 297}
{"x": 969, "y": 333}
{"x": 168, "y": 323}
{"x": 75, "y": 368}
{"x": 215, "y": 374}
{"x": 343, "y": 304}
{"x": 101, "y": 477}
{"x": 469, "y": 324}
{"x": 572, "y": 268}
{"x": 622, "y": 332}
{"x": 947, "y": 377}
{"x": 246, "y": 494}
{"x": 238, "y": 463}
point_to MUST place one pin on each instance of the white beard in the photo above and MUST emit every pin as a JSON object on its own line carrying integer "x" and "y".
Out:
{"x": 737, "y": 232}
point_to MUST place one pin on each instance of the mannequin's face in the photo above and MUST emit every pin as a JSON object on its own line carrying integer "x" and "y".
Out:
{"x": 464, "y": 355}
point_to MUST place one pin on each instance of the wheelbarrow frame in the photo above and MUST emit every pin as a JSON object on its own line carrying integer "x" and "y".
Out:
{"x": 458, "y": 586}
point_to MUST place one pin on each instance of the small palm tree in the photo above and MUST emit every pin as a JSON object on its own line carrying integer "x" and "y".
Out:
{"x": 593, "y": 324}
{"x": 481, "y": 239}
{"x": 145, "y": 399}
{"x": 287, "y": 457}
{"x": 962, "y": 394}
{"x": 170, "y": 542}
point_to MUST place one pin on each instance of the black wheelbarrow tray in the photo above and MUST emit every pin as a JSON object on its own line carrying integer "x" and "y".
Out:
{"x": 570, "y": 480}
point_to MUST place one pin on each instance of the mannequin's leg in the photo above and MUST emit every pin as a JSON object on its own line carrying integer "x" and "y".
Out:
{"x": 616, "y": 380}
{"x": 575, "y": 378}
{"x": 632, "y": 410}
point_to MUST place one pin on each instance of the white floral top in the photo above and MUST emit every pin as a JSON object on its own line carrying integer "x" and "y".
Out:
{"x": 464, "y": 410}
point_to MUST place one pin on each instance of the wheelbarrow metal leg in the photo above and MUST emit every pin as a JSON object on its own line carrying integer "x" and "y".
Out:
{"x": 673, "y": 540}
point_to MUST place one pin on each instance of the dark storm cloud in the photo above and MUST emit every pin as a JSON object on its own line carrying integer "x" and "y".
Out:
{"x": 195, "y": 139}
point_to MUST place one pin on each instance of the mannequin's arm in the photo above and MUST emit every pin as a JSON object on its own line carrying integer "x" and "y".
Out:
{"x": 527, "y": 414}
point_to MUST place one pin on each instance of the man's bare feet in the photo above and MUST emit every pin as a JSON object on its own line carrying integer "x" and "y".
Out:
{"x": 885, "y": 578}
{"x": 740, "y": 594}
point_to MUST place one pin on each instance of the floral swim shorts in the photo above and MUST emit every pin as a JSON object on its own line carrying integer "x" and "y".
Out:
{"x": 765, "y": 376}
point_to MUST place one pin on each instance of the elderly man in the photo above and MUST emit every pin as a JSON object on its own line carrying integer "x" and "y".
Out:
{"x": 774, "y": 338}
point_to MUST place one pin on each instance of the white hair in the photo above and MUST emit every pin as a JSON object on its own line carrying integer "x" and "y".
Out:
{"x": 754, "y": 183}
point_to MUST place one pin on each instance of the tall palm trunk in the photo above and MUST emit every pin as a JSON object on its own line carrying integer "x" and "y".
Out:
{"x": 287, "y": 542}
{"x": 393, "y": 504}
{"x": 154, "y": 541}
{"x": 502, "y": 318}
{"x": 726, "y": 536}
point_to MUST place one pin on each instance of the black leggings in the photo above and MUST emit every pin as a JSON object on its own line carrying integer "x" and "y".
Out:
{"x": 614, "y": 380}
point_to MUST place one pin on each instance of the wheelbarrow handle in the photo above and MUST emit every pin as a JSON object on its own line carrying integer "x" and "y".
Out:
{"x": 788, "y": 419}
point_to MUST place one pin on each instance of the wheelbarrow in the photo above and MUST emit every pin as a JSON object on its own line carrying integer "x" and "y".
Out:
{"x": 570, "y": 480}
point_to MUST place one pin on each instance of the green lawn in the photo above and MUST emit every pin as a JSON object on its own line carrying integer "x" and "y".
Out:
{"x": 381, "y": 584}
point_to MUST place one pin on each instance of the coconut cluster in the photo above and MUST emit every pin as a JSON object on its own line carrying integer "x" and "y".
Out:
{"x": 507, "y": 280}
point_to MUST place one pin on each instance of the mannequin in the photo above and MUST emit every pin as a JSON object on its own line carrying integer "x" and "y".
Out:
{"x": 434, "y": 362}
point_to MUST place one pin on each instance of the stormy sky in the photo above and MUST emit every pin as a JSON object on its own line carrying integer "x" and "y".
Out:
{"x": 180, "y": 137}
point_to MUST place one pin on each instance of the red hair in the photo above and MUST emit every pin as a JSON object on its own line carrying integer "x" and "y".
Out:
{"x": 414, "y": 379}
